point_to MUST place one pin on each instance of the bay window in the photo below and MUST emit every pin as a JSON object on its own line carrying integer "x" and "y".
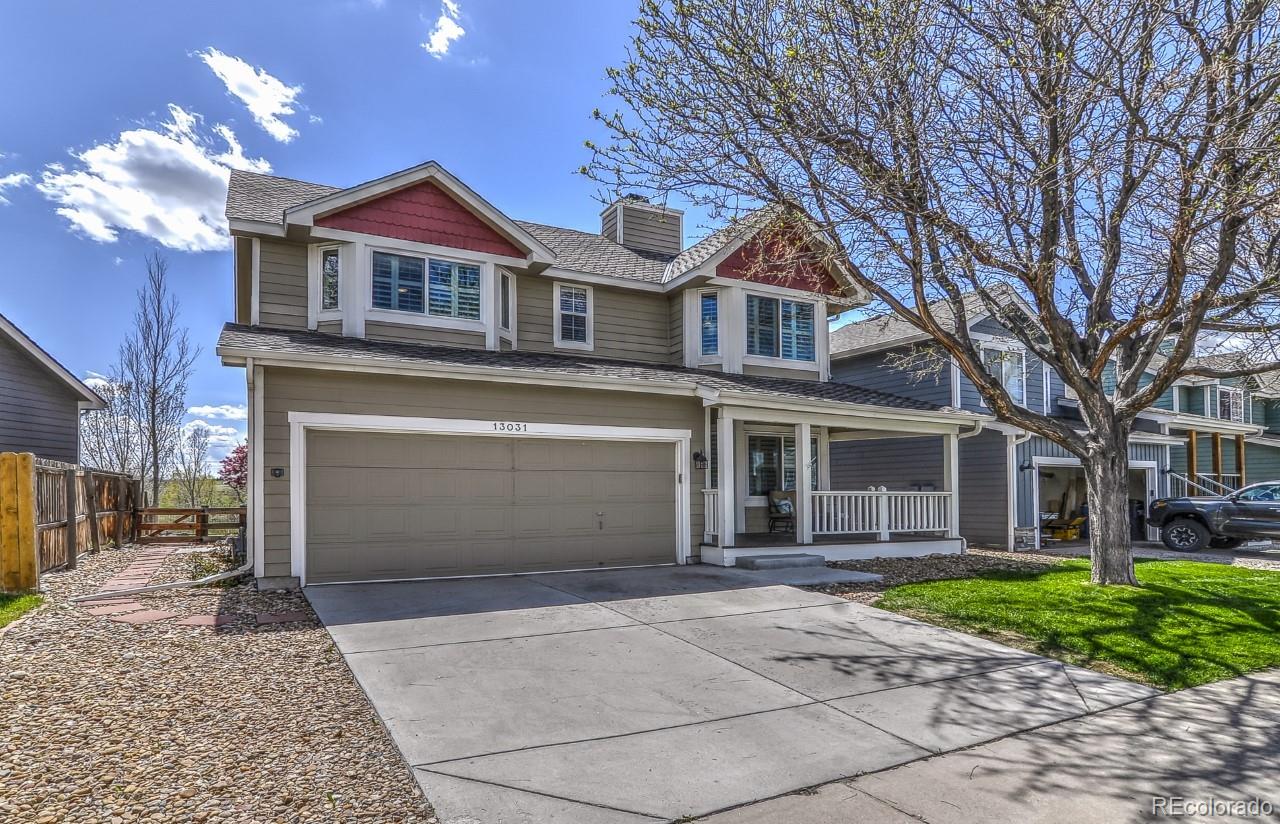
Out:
{"x": 330, "y": 271}
{"x": 426, "y": 286}
{"x": 778, "y": 328}
{"x": 710, "y": 322}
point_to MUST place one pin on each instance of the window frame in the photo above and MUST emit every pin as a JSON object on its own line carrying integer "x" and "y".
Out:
{"x": 423, "y": 318}
{"x": 336, "y": 253}
{"x": 714, "y": 294}
{"x": 558, "y": 340}
{"x": 780, "y": 357}
{"x": 1007, "y": 348}
{"x": 506, "y": 300}
{"x": 815, "y": 469}
{"x": 1231, "y": 392}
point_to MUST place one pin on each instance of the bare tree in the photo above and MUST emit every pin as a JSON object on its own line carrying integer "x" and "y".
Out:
{"x": 191, "y": 463}
{"x": 110, "y": 437}
{"x": 157, "y": 360}
{"x": 1099, "y": 175}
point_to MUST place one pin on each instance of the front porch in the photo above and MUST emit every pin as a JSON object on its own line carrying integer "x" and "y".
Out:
{"x": 858, "y": 485}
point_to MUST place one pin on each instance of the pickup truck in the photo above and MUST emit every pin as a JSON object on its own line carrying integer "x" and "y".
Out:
{"x": 1225, "y": 522}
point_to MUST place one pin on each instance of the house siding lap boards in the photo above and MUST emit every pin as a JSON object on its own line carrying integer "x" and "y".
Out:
{"x": 629, "y": 325}
{"x": 282, "y": 284}
{"x": 38, "y": 413}
{"x": 305, "y": 390}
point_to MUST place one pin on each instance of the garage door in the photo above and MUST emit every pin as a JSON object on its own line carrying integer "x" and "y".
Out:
{"x": 419, "y": 506}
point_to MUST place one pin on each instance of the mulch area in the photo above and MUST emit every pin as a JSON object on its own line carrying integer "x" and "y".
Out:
{"x": 898, "y": 571}
{"x": 246, "y": 715}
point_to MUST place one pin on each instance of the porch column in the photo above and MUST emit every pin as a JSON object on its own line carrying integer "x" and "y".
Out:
{"x": 1217, "y": 457}
{"x": 804, "y": 490}
{"x": 951, "y": 481}
{"x": 1240, "y": 451}
{"x": 726, "y": 500}
{"x": 1193, "y": 455}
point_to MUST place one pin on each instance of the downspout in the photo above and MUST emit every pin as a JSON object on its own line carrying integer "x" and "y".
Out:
{"x": 977, "y": 429}
{"x": 1012, "y": 506}
{"x": 246, "y": 567}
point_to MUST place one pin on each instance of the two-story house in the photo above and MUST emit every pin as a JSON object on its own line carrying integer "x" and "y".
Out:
{"x": 436, "y": 389}
{"x": 1200, "y": 437}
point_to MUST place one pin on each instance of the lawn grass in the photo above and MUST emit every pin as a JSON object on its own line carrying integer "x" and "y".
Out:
{"x": 1189, "y": 623}
{"x": 14, "y": 605}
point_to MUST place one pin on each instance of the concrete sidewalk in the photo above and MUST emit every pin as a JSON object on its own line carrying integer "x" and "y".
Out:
{"x": 1219, "y": 742}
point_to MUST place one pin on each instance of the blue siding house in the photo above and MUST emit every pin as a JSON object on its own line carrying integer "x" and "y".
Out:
{"x": 1203, "y": 436}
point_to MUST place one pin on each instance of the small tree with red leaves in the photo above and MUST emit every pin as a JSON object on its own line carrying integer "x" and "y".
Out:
{"x": 234, "y": 470}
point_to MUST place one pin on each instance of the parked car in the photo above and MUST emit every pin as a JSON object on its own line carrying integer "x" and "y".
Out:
{"x": 1191, "y": 524}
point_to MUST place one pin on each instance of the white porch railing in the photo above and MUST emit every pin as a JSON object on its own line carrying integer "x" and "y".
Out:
{"x": 710, "y": 512}
{"x": 881, "y": 512}
{"x": 1213, "y": 485}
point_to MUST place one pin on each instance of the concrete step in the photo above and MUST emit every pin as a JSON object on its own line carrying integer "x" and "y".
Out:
{"x": 786, "y": 561}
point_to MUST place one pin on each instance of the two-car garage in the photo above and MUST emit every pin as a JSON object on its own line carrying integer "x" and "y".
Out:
{"x": 483, "y": 498}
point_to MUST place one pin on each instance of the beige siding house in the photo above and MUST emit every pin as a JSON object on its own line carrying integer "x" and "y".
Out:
{"x": 437, "y": 390}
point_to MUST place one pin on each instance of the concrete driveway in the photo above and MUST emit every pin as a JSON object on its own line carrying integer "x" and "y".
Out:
{"x": 645, "y": 695}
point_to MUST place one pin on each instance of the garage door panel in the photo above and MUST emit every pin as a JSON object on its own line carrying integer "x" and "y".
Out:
{"x": 384, "y": 505}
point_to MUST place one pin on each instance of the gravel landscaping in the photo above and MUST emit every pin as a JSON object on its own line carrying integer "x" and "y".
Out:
{"x": 897, "y": 571}
{"x": 240, "y": 722}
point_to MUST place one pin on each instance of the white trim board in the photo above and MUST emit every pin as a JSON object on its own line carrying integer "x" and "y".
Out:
{"x": 301, "y": 422}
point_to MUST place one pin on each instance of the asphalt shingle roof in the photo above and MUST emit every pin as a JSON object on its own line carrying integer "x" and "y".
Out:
{"x": 252, "y": 196}
{"x": 265, "y": 340}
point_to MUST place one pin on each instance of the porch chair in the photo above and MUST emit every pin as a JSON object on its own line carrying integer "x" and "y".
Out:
{"x": 782, "y": 510}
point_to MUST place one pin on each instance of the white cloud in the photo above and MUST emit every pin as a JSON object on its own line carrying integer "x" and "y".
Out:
{"x": 222, "y": 439}
{"x": 95, "y": 380}
{"x": 167, "y": 183}
{"x": 445, "y": 31}
{"x": 266, "y": 97}
{"x": 12, "y": 181}
{"x": 226, "y": 411}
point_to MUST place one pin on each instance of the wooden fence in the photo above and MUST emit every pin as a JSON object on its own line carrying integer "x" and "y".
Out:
{"x": 52, "y": 512}
{"x": 200, "y": 524}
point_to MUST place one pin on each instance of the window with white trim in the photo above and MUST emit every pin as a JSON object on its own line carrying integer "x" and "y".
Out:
{"x": 1231, "y": 404}
{"x": 504, "y": 314}
{"x": 573, "y": 316}
{"x": 771, "y": 464}
{"x": 709, "y": 308}
{"x": 778, "y": 328}
{"x": 330, "y": 274}
{"x": 1009, "y": 366}
{"x": 439, "y": 288}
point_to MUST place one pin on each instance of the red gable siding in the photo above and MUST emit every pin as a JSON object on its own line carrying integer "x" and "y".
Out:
{"x": 793, "y": 272}
{"x": 423, "y": 213}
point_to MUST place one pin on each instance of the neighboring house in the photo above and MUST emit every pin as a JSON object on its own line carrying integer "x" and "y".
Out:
{"x": 40, "y": 401}
{"x": 1013, "y": 481}
{"x": 436, "y": 389}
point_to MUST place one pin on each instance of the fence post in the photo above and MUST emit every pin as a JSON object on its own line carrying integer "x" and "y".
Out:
{"x": 72, "y": 513}
{"x": 19, "y": 551}
{"x": 135, "y": 494}
{"x": 91, "y": 508}
{"x": 118, "y": 487}
{"x": 202, "y": 524}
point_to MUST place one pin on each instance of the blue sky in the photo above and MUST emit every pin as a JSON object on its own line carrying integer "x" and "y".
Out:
{"x": 127, "y": 127}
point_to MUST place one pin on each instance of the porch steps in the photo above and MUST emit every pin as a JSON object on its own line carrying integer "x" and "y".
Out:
{"x": 787, "y": 561}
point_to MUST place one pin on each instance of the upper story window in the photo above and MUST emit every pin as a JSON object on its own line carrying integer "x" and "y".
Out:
{"x": 504, "y": 314}
{"x": 330, "y": 270}
{"x": 1009, "y": 366}
{"x": 573, "y": 316}
{"x": 454, "y": 290}
{"x": 1231, "y": 404}
{"x": 710, "y": 320}
{"x": 398, "y": 282}
{"x": 778, "y": 328}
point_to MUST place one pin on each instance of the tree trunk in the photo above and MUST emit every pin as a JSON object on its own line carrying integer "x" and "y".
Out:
{"x": 1110, "y": 546}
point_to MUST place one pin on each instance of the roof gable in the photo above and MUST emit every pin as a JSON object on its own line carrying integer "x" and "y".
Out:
{"x": 55, "y": 369}
{"x": 423, "y": 213}
{"x": 798, "y": 270}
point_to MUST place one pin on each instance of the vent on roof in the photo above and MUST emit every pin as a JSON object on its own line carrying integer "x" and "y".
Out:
{"x": 638, "y": 224}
